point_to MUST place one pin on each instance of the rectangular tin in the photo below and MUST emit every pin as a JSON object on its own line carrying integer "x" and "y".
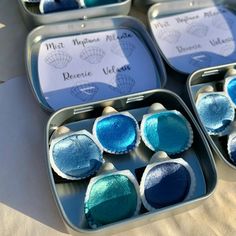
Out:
{"x": 33, "y": 18}
{"x": 82, "y": 27}
{"x": 69, "y": 195}
{"x": 199, "y": 79}
{"x": 77, "y": 116}
{"x": 170, "y": 8}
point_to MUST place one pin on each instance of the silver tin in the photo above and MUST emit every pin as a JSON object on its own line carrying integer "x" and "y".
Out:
{"x": 166, "y": 8}
{"x": 33, "y": 18}
{"x": 69, "y": 195}
{"x": 199, "y": 79}
{"x": 81, "y": 27}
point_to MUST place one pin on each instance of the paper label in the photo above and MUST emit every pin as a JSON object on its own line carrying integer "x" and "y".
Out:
{"x": 197, "y": 39}
{"x": 83, "y": 68}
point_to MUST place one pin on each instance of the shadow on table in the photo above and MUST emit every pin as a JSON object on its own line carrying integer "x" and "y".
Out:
{"x": 12, "y": 37}
{"x": 23, "y": 177}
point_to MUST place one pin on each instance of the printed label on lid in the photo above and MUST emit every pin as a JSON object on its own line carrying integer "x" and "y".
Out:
{"x": 84, "y": 68}
{"x": 197, "y": 39}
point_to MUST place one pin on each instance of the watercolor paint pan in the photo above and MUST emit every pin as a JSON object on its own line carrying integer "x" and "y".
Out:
{"x": 91, "y": 60}
{"x": 214, "y": 76}
{"x": 33, "y": 17}
{"x": 69, "y": 195}
{"x": 193, "y": 35}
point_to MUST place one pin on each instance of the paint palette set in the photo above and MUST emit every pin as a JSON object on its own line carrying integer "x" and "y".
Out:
{"x": 50, "y": 6}
{"x": 41, "y": 12}
{"x": 121, "y": 150}
{"x": 115, "y": 160}
{"x": 78, "y": 155}
{"x": 213, "y": 99}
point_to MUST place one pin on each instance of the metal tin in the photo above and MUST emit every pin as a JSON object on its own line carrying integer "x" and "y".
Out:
{"x": 69, "y": 195}
{"x": 170, "y": 8}
{"x": 210, "y": 76}
{"x": 33, "y": 18}
{"x": 82, "y": 27}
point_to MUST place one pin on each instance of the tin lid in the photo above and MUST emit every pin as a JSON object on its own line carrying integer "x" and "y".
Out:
{"x": 196, "y": 34}
{"x": 81, "y": 62}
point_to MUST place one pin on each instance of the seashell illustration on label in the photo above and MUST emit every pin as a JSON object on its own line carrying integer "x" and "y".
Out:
{"x": 123, "y": 84}
{"x": 122, "y": 49}
{"x": 198, "y": 30}
{"x": 200, "y": 60}
{"x": 227, "y": 49}
{"x": 92, "y": 55}
{"x": 171, "y": 36}
{"x": 85, "y": 91}
{"x": 58, "y": 59}
{"x": 222, "y": 23}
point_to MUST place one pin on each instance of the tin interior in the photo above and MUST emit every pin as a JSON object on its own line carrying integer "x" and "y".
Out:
{"x": 33, "y": 17}
{"x": 215, "y": 77}
{"x": 70, "y": 195}
{"x": 37, "y": 36}
{"x": 171, "y": 8}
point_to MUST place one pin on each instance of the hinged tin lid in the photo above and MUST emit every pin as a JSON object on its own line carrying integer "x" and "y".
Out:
{"x": 194, "y": 34}
{"x": 85, "y": 61}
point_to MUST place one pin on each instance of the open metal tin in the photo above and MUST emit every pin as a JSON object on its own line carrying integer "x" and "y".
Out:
{"x": 94, "y": 26}
{"x": 215, "y": 77}
{"x": 69, "y": 196}
{"x": 194, "y": 34}
{"x": 33, "y": 17}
